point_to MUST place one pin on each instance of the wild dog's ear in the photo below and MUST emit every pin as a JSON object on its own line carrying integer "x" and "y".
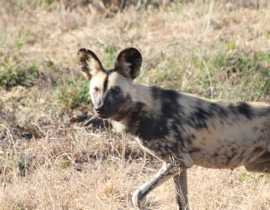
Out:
{"x": 128, "y": 63}
{"x": 88, "y": 63}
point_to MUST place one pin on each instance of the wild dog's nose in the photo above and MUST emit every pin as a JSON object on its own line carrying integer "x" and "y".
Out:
{"x": 100, "y": 109}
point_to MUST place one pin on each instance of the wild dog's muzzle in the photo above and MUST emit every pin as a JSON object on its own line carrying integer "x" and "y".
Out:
{"x": 102, "y": 111}
{"x": 105, "y": 108}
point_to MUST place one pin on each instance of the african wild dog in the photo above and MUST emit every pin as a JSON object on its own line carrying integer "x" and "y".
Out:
{"x": 180, "y": 129}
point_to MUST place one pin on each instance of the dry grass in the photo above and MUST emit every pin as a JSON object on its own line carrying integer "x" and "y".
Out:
{"x": 214, "y": 49}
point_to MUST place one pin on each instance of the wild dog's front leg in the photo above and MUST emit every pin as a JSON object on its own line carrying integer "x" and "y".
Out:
{"x": 165, "y": 173}
{"x": 168, "y": 171}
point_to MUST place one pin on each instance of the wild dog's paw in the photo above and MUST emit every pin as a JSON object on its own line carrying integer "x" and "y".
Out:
{"x": 139, "y": 200}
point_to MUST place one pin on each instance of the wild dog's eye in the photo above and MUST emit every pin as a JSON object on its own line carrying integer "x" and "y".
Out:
{"x": 96, "y": 90}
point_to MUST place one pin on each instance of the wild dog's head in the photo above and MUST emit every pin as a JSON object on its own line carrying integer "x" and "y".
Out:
{"x": 111, "y": 90}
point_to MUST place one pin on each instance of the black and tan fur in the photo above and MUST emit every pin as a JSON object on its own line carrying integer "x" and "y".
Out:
{"x": 180, "y": 129}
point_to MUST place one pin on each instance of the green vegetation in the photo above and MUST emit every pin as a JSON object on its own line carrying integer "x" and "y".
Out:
{"x": 70, "y": 95}
{"x": 246, "y": 176}
{"x": 20, "y": 4}
{"x": 14, "y": 74}
{"x": 109, "y": 55}
{"x": 252, "y": 68}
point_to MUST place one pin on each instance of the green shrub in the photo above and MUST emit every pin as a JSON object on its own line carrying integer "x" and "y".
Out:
{"x": 70, "y": 95}
{"x": 18, "y": 75}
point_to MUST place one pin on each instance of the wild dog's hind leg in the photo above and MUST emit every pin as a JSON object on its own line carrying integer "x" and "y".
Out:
{"x": 261, "y": 164}
{"x": 168, "y": 171}
{"x": 181, "y": 187}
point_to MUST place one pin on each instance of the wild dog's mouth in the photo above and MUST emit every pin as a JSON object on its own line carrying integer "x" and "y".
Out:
{"x": 116, "y": 109}
{"x": 105, "y": 115}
